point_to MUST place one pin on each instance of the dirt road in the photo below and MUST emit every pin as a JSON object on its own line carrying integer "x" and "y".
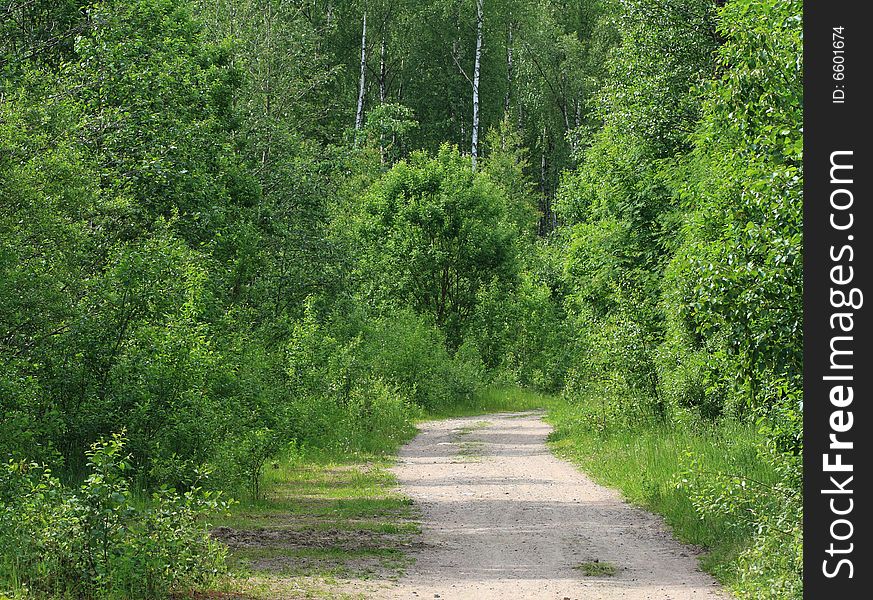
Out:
{"x": 504, "y": 519}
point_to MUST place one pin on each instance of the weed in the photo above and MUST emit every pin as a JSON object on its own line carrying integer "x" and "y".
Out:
{"x": 597, "y": 568}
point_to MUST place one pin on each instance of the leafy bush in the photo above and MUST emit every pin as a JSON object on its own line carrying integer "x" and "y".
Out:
{"x": 738, "y": 274}
{"x": 523, "y": 335}
{"x": 404, "y": 349}
{"x": 243, "y": 457}
{"x": 734, "y": 287}
{"x": 100, "y": 541}
{"x": 328, "y": 357}
{"x": 771, "y": 565}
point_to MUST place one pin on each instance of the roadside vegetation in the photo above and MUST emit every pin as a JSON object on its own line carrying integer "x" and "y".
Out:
{"x": 324, "y": 519}
{"x": 330, "y": 516}
{"x": 245, "y": 245}
{"x": 708, "y": 482}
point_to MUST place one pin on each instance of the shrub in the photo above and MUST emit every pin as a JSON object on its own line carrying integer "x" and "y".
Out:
{"x": 243, "y": 457}
{"x": 771, "y": 565}
{"x": 404, "y": 349}
{"x": 99, "y": 541}
{"x": 523, "y": 334}
{"x": 378, "y": 417}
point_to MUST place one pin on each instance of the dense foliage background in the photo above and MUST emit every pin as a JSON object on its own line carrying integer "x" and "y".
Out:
{"x": 231, "y": 226}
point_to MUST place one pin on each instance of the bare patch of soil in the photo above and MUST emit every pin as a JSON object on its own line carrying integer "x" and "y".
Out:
{"x": 349, "y": 540}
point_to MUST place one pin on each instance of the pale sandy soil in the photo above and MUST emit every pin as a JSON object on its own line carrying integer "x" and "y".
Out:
{"x": 505, "y": 519}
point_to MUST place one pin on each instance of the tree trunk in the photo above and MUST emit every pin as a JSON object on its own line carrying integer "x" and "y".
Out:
{"x": 548, "y": 220}
{"x": 545, "y": 199}
{"x": 359, "y": 117}
{"x": 508, "y": 97}
{"x": 400, "y": 84}
{"x": 399, "y": 101}
{"x": 383, "y": 72}
{"x": 474, "y": 152}
{"x": 383, "y": 91}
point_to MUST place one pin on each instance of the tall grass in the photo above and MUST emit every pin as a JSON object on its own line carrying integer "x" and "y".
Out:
{"x": 493, "y": 399}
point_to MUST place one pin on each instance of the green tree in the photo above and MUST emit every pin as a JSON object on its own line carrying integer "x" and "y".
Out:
{"x": 432, "y": 234}
{"x": 621, "y": 195}
{"x": 738, "y": 274}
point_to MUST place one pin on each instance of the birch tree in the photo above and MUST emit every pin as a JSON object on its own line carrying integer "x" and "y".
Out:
{"x": 507, "y": 97}
{"x": 477, "y": 68}
{"x": 359, "y": 116}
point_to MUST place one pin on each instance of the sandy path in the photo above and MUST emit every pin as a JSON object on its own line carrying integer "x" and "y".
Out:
{"x": 504, "y": 519}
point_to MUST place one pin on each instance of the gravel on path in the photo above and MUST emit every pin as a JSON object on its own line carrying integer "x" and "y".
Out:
{"x": 503, "y": 518}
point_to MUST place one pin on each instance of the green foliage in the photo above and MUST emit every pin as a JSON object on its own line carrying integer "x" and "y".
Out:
{"x": 244, "y": 459}
{"x": 38, "y": 31}
{"x": 289, "y": 76}
{"x": 432, "y": 234}
{"x": 388, "y": 127}
{"x": 523, "y": 335}
{"x": 771, "y": 564}
{"x": 737, "y": 278}
{"x": 157, "y": 101}
{"x": 400, "y": 354}
{"x": 507, "y": 163}
{"x": 46, "y": 189}
{"x": 738, "y": 275}
{"x": 117, "y": 153}
{"x": 403, "y": 349}
{"x": 99, "y": 541}
{"x": 684, "y": 266}
{"x": 621, "y": 203}
{"x": 197, "y": 249}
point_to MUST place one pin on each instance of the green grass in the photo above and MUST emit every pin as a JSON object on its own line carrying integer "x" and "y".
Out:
{"x": 326, "y": 516}
{"x": 646, "y": 465}
{"x": 596, "y": 568}
{"x": 494, "y": 400}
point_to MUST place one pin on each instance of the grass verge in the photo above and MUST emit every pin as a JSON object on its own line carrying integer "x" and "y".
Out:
{"x": 326, "y": 519}
{"x": 494, "y": 400}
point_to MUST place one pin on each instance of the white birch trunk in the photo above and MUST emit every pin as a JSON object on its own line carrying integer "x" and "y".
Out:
{"x": 544, "y": 219}
{"x": 383, "y": 72}
{"x": 383, "y": 91}
{"x": 474, "y": 151}
{"x": 359, "y": 117}
{"x": 507, "y": 99}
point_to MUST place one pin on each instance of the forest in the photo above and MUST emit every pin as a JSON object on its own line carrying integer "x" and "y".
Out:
{"x": 234, "y": 231}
